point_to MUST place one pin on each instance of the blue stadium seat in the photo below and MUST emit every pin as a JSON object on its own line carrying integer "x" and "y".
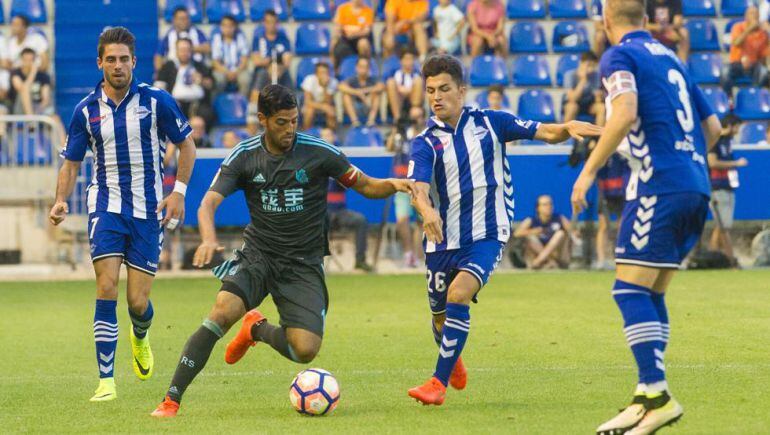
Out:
{"x": 314, "y": 131}
{"x": 531, "y": 70}
{"x": 218, "y": 134}
{"x": 306, "y": 67}
{"x": 718, "y": 100}
{"x": 258, "y": 8}
{"x": 231, "y": 109}
{"x": 734, "y": 8}
{"x": 32, "y": 9}
{"x": 216, "y": 9}
{"x": 752, "y": 103}
{"x": 568, "y": 9}
{"x": 527, "y": 37}
{"x": 488, "y": 70}
{"x": 2, "y": 13}
{"x": 699, "y": 8}
{"x": 311, "y": 10}
{"x": 312, "y": 39}
{"x": 705, "y": 68}
{"x": 753, "y": 133}
{"x": 526, "y": 9}
{"x": 363, "y": 137}
{"x": 536, "y": 105}
{"x": 567, "y": 62}
{"x": 348, "y": 68}
{"x": 194, "y": 8}
{"x": 570, "y": 37}
{"x": 703, "y": 35}
{"x": 483, "y": 103}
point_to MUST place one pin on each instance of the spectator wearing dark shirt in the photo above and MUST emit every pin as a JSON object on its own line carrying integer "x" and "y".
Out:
{"x": 341, "y": 219}
{"x": 546, "y": 237}
{"x": 230, "y": 56}
{"x": 666, "y": 23}
{"x": 199, "y": 133}
{"x": 361, "y": 94}
{"x": 189, "y": 82}
{"x": 584, "y": 97}
{"x": 30, "y": 87}
{"x": 181, "y": 28}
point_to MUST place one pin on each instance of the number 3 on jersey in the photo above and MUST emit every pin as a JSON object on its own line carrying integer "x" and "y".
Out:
{"x": 684, "y": 116}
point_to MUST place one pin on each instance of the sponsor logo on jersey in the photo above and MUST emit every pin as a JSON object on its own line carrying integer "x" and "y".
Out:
{"x": 301, "y": 176}
{"x": 141, "y": 112}
{"x": 182, "y": 125}
{"x": 480, "y": 132}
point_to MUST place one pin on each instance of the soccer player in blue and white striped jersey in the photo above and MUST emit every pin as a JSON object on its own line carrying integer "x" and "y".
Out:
{"x": 464, "y": 195}
{"x": 125, "y": 124}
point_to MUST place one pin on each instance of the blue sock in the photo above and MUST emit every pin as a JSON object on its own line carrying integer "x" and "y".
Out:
{"x": 105, "y": 336}
{"x": 142, "y": 322}
{"x": 659, "y": 300}
{"x": 642, "y": 329}
{"x": 455, "y": 332}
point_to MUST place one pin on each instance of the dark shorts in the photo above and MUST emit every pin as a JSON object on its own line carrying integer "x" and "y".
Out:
{"x": 298, "y": 287}
{"x": 611, "y": 205}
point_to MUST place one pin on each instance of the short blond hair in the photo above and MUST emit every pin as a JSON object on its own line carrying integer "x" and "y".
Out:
{"x": 630, "y": 12}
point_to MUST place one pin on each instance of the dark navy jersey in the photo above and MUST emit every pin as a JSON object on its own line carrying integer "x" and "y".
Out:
{"x": 549, "y": 227}
{"x": 724, "y": 179}
{"x": 665, "y": 147}
{"x": 613, "y": 176}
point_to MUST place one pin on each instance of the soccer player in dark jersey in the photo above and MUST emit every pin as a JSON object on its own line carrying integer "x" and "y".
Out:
{"x": 284, "y": 175}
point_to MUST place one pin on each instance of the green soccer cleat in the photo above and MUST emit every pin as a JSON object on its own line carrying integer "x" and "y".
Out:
{"x": 143, "y": 360}
{"x": 105, "y": 391}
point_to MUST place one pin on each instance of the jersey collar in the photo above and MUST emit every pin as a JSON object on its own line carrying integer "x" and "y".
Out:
{"x": 636, "y": 34}
{"x": 100, "y": 95}
{"x": 434, "y": 122}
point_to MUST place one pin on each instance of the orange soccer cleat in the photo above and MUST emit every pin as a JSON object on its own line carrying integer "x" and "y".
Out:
{"x": 167, "y": 408}
{"x": 237, "y": 348}
{"x": 431, "y": 392}
{"x": 459, "y": 377}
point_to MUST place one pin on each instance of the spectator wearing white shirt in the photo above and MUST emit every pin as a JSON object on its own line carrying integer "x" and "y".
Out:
{"x": 182, "y": 28}
{"x": 230, "y": 56}
{"x": 448, "y": 23}
{"x": 405, "y": 87}
{"x": 319, "y": 89}
{"x": 189, "y": 82}
{"x": 22, "y": 37}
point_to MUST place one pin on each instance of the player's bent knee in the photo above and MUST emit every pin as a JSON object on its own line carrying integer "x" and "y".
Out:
{"x": 304, "y": 344}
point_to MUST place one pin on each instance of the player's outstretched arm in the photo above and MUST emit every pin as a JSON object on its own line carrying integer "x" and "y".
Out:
{"x": 64, "y": 185}
{"x": 624, "y": 112}
{"x": 431, "y": 220}
{"x": 174, "y": 203}
{"x": 209, "y": 244}
{"x": 376, "y": 188}
{"x": 557, "y": 133}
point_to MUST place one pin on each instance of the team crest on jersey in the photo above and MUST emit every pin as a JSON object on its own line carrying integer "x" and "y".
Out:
{"x": 141, "y": 112}
{"x": 301, "y": 176}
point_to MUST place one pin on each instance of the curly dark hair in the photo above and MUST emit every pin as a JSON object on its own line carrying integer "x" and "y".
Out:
{"x": 443, "y": 63}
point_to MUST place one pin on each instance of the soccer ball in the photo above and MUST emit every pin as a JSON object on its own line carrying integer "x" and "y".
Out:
{"x": 314, "y": 392}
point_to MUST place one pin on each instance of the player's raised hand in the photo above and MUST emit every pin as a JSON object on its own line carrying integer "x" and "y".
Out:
{"x": 431, "y": 224}
{"x": 578, "y": 130}
{"x": 174, "y": 206}
{"x": 205, "y": 253}
{"x": 58, "y": 212}
{"x": 579, "y": 190}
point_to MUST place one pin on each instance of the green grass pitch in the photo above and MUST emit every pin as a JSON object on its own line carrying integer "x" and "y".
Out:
{"x": 546, "y": 354}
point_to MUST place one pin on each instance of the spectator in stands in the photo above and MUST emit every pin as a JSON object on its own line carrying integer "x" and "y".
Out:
{"x": 199, "y": 134}
{"x": 487, "y": 20}
{"x": 230, "y": 139}
{"x": 353, "y": 23}
{"x": 724, "y": 180}
{"x": 399, "y": 143}
{"x": 181, "y": 28}
{"x": 666, "y": 23}
{"x": 271, "y": 56}
{"x": 611, "y": 180}
{"x": 546, "y": 237}
{"x": 405, "y": 19}
{"x": 448, "y": 23}
{"x": 361, "y": 94}
{"x": 597, "y": 16}
{"x": 405, "y": 87}
{"x": 329, "y": 136}
{"x": 749, "y": 50}
{"x": 31, "y": 87}
{"x": 230, "y": 56}
{"x": 585, "y": 96}
{"x": 495, "y": 98}
{"x": 319, "y": 89}
{"x": 188, "y": 81}
{"x": 342, "y": 220}
{"x": 22, "y": 37}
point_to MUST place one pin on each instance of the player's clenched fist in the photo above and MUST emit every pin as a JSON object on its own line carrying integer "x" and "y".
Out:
{"x": 174, "y": 205}
{"x": 58, "y": 212}
{"x": 432, "y": 224}
{"x": 205, "y": 253}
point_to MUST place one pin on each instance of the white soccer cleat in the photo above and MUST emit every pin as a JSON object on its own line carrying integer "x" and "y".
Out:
{"x": 624, "y": 421}
{"x": 656, "y": 419}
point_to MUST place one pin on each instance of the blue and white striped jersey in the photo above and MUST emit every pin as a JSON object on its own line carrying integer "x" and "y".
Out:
{"x": 469, "y": 174}
{"x": 229, "y": 53}
{"x": 127, "y": 140}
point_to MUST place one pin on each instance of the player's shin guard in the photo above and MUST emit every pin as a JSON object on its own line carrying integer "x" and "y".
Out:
{"x": 105, "y": 336}
{"x": 659, "y": 300}
{"x": 455, "y": 332}
{"x": 142, "y": 322}
{"x": 194, "y": 356}
{"x": 643, "y": 330}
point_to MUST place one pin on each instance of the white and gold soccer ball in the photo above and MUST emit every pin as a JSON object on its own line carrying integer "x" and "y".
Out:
{"x": 314, "y": 392}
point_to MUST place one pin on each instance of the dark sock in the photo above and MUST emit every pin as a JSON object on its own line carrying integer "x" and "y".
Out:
{"x": 142, "y": 322}
{"x": 275, "y": 336}
{"x": 194, "y": 356}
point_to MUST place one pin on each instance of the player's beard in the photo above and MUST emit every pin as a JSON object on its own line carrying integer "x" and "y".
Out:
{"x": 117, "y": 85}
